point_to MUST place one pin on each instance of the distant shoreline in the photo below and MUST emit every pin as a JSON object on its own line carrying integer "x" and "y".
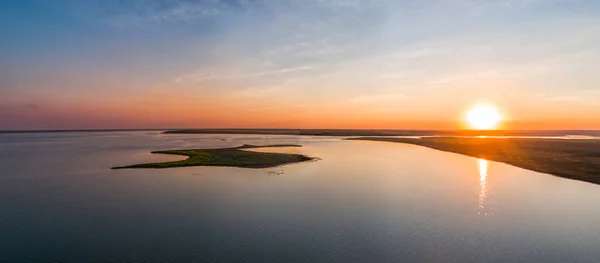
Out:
{"x": 572, "y": 159}
{"x": 386, "y": 132}
{"x": 92, "y": 130}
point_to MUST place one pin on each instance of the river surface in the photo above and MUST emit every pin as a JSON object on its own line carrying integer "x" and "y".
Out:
{"x": 362, "y": 202}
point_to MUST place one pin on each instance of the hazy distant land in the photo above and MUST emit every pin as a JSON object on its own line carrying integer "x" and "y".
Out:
{"x": 386, "y": 132}
{"x": 574, "y": 159}
{"x": 232, "y": 157}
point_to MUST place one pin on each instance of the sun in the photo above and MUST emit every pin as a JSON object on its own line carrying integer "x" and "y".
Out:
{"x": 483, "y": 117}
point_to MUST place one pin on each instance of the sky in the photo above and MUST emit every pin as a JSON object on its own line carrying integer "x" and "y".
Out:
{"x": 380, "y": 64}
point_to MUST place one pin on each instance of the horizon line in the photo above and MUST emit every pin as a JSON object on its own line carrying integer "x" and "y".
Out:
{"x": 207, "y": 129}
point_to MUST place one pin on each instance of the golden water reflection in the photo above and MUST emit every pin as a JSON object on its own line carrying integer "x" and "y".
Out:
{"x": 483, "y": 172}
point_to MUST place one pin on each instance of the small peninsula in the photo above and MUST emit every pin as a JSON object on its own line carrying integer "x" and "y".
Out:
{"x": 230, "y": 157}
{"x": 573, "y": 159}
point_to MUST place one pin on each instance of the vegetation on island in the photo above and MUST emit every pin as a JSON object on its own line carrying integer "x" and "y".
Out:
{"x": 574, "y": 159}
{"x": 232, "y": 157}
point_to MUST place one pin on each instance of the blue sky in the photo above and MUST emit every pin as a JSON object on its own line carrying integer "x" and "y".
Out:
{"x": 389, "y": 64}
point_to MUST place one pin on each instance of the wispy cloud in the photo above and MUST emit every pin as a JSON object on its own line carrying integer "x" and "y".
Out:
{"x": 379, "y": 98}
{"x": 18, "y": 106}
{"x": 201, "y": 76}
{"x": 32, "y": 106}
{"x": 565, "y": 99}
{"x": 148, "y": 12}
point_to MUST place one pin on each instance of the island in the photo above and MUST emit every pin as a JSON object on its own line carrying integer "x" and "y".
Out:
{"x": 231, "y": 157}
{"x": 568, "y": 158}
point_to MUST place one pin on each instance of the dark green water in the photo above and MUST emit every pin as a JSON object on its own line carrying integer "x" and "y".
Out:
{"x": 363, "y": 202}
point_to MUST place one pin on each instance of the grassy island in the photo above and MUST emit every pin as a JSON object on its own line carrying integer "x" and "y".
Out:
{"x": 233, "y": 157}
{"x": 574, "y": 159}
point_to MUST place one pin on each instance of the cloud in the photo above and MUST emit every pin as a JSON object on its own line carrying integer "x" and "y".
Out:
{"x": 286, "y": 70}
{"x": 379, "y": 98}
{"x": 32, "y": 106}
{"x": 140, "y": 12}
{"x": 14, "y": 106}
{"x": 565, "y": 99}
{"x": 201, "y": 76}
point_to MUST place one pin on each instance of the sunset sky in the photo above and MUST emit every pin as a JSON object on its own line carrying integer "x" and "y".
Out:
{"x": 68, "y": 64}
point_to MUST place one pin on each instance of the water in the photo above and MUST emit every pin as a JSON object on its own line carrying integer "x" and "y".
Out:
{"x": 363, "y": 202}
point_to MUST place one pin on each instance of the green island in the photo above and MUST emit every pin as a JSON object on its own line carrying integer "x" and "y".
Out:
{"x": 231, "y": 157}
{"x": 573, "y": 159}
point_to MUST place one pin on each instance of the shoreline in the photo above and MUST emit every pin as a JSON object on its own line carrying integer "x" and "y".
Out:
{"x": 571, "y": 159}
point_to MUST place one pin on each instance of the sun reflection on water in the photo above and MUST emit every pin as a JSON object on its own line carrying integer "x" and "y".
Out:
{"x": 483, "y": 172}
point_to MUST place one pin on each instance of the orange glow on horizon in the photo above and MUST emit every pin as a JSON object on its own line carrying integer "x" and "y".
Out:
{"x": 185, "y": 111}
